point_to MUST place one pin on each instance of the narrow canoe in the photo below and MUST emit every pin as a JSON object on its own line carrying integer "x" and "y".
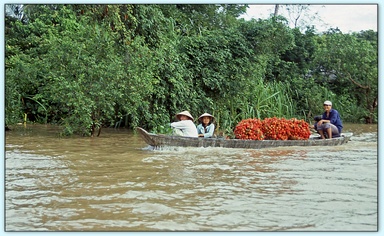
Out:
{"x": 161, "y": 140}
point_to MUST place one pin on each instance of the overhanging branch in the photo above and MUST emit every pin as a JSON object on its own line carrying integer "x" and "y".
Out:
{"x": 356, "y": 83}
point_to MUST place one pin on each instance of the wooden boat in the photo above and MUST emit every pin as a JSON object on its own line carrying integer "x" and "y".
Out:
{"x": 161, "y": 140}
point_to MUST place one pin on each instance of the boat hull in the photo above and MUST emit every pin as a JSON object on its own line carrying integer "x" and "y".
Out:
{"x": 161, "y": 140}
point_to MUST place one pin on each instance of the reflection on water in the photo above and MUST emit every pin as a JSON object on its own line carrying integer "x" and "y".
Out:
{"x": 115, "y": 183}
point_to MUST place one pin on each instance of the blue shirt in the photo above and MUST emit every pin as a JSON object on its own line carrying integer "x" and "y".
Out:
{"x": 208, "y": 132}
{"x": 334, "y": 118}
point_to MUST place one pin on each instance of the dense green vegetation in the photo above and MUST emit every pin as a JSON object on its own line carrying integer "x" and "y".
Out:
{"x": 90, "y": 66}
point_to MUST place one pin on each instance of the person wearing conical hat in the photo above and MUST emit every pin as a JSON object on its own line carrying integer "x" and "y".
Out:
{"x": 184, "y": 126}
{"x": 206, "y": 127}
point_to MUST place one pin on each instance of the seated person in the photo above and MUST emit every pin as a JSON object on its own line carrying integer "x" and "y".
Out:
{"x": 185, "y": 126}
{"x": 206, "y": 127}
{"x": 330, "y": 124}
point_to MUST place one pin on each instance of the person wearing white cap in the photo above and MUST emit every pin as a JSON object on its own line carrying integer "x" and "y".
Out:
{"x": 206, "y": 127}
{"x": 185, "y": 126}
{"x": 330, "y": 124}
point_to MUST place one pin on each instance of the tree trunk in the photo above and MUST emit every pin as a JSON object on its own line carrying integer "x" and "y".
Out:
{"x": 276, "y": 10}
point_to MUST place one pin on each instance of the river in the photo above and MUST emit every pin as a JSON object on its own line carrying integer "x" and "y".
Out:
{"x": 116, "y": 183}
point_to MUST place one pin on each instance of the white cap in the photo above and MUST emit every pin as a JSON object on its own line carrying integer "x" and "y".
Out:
{"x": 328, "y": 103}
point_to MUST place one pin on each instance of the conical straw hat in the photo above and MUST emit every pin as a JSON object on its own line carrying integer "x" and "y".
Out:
{"x": 185, "y": 113}
{"x": 207, "y": 114}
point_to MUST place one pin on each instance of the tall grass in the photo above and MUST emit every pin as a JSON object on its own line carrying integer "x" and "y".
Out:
{"x": 270, "y": 100}
{"x": 262, "y": 100}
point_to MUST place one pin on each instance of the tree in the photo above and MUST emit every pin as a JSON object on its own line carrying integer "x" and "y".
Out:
{"x": 75, "y": 69}
{"x": 194, "y": 19}
{"x": 298, "y": 15}
{"x": 92, "y": 66}
{"x": 348, "y": 66}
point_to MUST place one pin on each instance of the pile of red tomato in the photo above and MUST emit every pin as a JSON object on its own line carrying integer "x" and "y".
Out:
{"x": 272, "y": 129}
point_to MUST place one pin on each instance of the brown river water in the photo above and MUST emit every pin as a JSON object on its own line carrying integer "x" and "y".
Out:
{"x": 116, "y": 183}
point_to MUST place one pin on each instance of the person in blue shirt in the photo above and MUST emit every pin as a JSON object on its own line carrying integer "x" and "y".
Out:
{"x": 206, "y": 127}
{"x": 330, "y": 125}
